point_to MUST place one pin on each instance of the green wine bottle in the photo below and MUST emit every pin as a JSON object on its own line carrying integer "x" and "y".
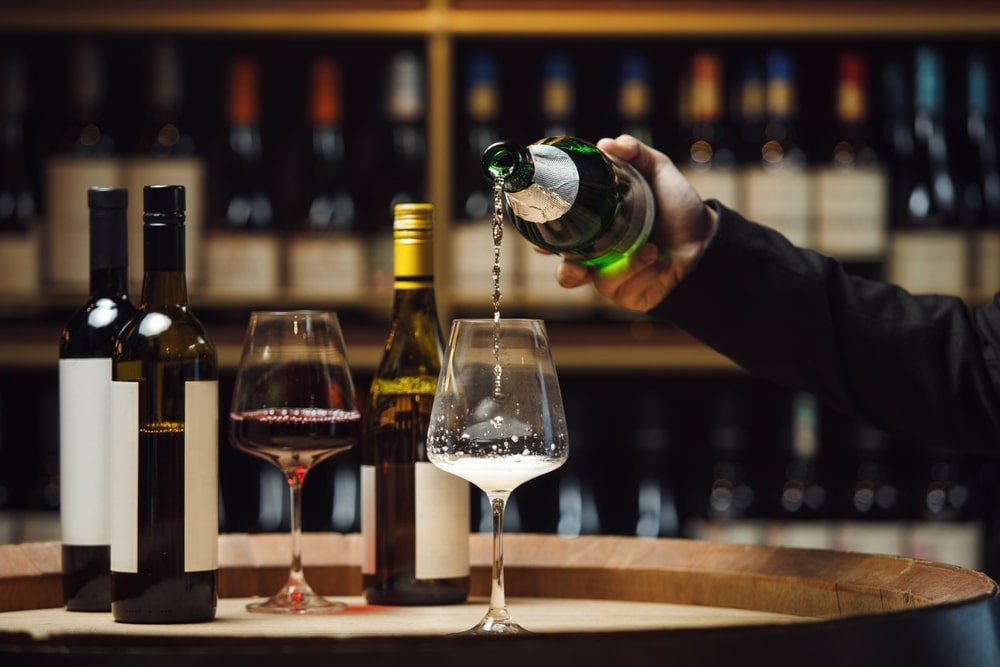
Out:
{"x": 164, "y": 439}
{"x": 414, "y": 517}
{"x": 571, "y": 198}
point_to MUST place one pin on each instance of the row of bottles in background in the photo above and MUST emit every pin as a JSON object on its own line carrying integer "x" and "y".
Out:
{"x": 269, "y": 209}
{"x": 293, "y": 162}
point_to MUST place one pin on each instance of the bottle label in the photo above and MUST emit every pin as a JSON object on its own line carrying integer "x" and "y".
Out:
{"x": 557, "y": 183}
{"x": 199, "y": 439}
{"x": 442, "y": 518}
{"x": 367, "y": 519}
{"x": 84, "y": 451}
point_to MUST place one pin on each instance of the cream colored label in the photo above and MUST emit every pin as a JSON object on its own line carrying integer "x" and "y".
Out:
{"x": 986, "y": 260}
{"x": 67, "y": 238}
{"x": 442, "y": 523}
{"x": 125, "y": 475}
{"x": 201, "y": 475}
{"x": 928, "y": 261}
{"x": 84, "y": 451}
{"x": 20, "y": 262}
{"x": 186, "y": 171}
{"x": 720, "y": 184}
{"x": 367, "y": 519}
{"x": 327, "y": 265}
{"x": 851, "y": 212}
{"x": 781, "y": 200}
{"x": 242, "y": 263}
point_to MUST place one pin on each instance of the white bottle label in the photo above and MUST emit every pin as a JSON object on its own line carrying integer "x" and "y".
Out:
{"x": 201, "y": 476}
{"x": 201, "y": 495}
{"x": 781, "y": 199}
{"x": 442, "y": 523}
{"x": 851, "y": 212}
{"x": 84, "y": 451}
{"x": 367, "y": 519}
{"x": 125, "y": 473}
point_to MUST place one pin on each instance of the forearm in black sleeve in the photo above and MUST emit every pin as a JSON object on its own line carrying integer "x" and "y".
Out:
{"x": 924, "y": 367}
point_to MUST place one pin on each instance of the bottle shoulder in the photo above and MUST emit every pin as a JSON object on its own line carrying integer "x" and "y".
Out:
{"x": 93, "y": 329}
{"x": 165, "y": 333}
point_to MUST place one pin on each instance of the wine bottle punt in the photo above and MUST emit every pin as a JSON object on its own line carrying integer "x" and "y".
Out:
{"x": 571, "y": 198}
{"x": 415, "y": 518}
{"x": 85, "y": 351}
{"x": 164, "y": 435}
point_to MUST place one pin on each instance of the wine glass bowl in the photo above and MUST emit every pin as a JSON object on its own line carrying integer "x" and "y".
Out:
{"x": 497, "y": 421}
{"x": 294, "y": 405}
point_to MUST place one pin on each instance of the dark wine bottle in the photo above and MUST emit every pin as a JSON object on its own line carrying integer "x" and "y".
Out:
{"x": 776, "y": 188}
{"x": 472, "y": 237}
{"x": 84, "y": 157}
{"x": 928, "y": 250}
{"x": 167, "y": 152}
{"x": 85, "y": 351}
{"x": 325, "y": 253}
{"x": 851, "y": 185}
{"x": 19, "y": 233}
{"x": 708, "y": 159}
{"x": 242, "y": 249}
{"x": 164, "y": 427}
{"x": 415, "y": 518}
{"x": 569, "y": 197}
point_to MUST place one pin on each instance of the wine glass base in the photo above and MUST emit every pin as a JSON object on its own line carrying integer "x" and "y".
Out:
{"x": 296, "y": 602}
{"x": 490, "y": 626}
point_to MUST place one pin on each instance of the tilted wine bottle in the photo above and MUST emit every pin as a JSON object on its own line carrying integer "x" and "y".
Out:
{"x": 568, "y": 196}
{"x": 85, "y": 350}
{"x": 415, "y": 518}
{"x": 164, "y": 435}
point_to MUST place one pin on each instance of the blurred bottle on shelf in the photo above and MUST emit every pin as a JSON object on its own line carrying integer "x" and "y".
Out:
{"x": 166, "y": 153}
{"x": 326, "y": 254}
{"x": 776, "y": 189}
{"x": 472, "y": 235}
{"x": 404, "y": 179}
{"x": 948, "y": 525}
{"x": 730, "y": 501}
{"x": 242, "y": 245}
{"x": 851, "y": 186}
{"x": 84, "y": 158}
{"x": 578, "y": 512}
{"x": 557, "y": 106}
{"x": 655, "y": 501}
{"x": 927, "y": 248}
{"x": 635, "y": 97}
{"x": 800, "y": 508}
{"x": 979, "y": 174}
{"x": 20, "y": 237}
{"x": 875, "y": 513}
{"x": 708, "y": 159}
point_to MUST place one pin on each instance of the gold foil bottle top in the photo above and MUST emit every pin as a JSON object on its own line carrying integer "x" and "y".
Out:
{"x": 413, "y": 217}
{"x": 413, "y": 245}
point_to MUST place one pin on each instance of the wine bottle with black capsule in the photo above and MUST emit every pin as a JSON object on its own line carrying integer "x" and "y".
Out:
{"x": 415, "y": 518}
{"x": 568, "y": 196}
{"x": 85, "y": 350}
{"x": 164, "y": 438}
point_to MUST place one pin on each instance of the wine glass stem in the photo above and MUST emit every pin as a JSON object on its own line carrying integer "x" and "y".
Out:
{"x": 295, "y": 576}
{"x": 498, "y": 603}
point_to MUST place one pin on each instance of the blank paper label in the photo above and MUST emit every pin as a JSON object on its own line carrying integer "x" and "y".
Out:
{"x": 442, "y": 517}
{"x": 201, "y": 476}
{"x": 84, "y": 451}
{"x": 125, "y": 474}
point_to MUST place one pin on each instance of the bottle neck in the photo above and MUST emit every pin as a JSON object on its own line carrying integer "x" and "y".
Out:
{"x": 108, "y": 252}
{"x": 164, "y": 281}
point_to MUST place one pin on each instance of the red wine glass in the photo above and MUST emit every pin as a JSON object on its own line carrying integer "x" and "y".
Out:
{"x": 294, "y": 405}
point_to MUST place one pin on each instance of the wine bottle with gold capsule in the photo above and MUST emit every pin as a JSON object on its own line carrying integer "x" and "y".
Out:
{"x": 415, "y": 518}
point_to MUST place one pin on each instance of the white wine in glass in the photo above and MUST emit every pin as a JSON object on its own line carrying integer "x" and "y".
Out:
{"x": 497, "y": 421}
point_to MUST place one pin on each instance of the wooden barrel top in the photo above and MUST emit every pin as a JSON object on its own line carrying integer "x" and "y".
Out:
{"x": 588, "y": 600}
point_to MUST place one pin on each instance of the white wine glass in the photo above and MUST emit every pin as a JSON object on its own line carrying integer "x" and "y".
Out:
{"x": 294, "y": 405}
{"x": 497, "y": 421}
